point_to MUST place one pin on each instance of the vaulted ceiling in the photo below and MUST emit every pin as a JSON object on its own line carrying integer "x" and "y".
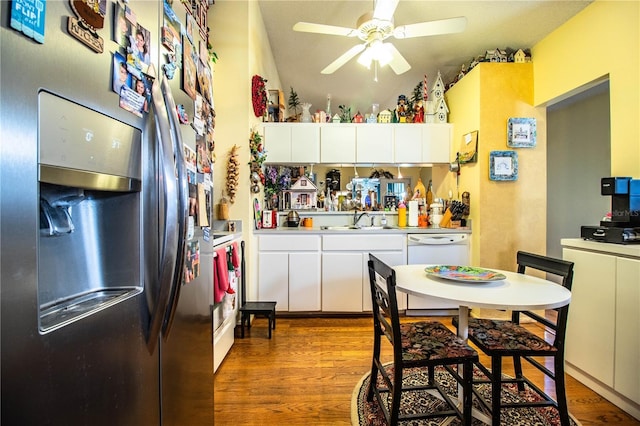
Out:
{"x": 492, "y": 24}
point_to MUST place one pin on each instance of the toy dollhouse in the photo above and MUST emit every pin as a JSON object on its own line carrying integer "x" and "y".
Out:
{"x": 302, "y": 194}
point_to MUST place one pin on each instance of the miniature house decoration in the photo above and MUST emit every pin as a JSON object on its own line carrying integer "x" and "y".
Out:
{"x": 303, "y": 194}
{"x": 521, "y": 56}
{"x": 436, "y": 110}
{"x": 496, "y": 55}
{"x": 385, "y": 116}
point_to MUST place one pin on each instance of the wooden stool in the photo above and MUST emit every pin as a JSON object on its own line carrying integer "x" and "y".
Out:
{"x": 258, "y": 308}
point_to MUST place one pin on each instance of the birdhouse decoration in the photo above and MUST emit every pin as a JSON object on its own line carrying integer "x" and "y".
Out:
{"x": 436, "y": 110}
{"x": 302, "y": 194}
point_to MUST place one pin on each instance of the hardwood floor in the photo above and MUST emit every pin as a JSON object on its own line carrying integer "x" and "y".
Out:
{"x": 306, "y": 373}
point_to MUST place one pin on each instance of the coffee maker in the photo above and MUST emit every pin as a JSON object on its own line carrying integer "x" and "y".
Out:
{"x": 623, "y": 226}
{"x": 333, "y": 180}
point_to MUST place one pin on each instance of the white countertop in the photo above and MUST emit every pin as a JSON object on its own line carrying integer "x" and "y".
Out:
{"x": 631, "y": 250}
{"x": 389, "y": 230}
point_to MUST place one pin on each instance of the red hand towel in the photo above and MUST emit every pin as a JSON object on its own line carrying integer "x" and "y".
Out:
{"x": 235, "y": 258}
{"x": 221, "y": 274}
{"x": 217, "y": 294}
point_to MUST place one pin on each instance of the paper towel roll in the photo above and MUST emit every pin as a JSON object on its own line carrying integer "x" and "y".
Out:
{"x": 413, "y": 213}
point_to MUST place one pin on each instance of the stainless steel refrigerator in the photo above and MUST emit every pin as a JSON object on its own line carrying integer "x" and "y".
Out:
{"x": 94, "y": 210}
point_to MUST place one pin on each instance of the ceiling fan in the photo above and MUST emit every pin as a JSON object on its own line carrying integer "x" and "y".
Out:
{"x": 373, "y": 28}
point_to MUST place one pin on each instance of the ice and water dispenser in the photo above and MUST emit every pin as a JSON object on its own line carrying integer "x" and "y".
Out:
{"x": 89, "y": 244}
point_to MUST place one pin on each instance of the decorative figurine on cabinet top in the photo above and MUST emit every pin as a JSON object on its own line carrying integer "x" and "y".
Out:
{"x": 402, "y": 109}
{"x": 384, "y": 116}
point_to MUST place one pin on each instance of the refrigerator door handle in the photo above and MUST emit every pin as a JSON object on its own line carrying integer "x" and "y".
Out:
{"x": 169, "y": 216}
{"x": 183, "y": 205}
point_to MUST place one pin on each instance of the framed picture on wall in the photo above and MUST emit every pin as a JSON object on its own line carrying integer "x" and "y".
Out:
{"x": 503, "y": 165}
{"x": 521, "y": 132}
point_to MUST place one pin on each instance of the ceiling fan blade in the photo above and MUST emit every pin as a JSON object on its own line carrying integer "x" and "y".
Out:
{"x": 308, "y": 27}
{"x": 384, "y": 9}
{"x": 333, "y": 66}
{"x": 442, "y": 26}
{"x": 398, "y": 64}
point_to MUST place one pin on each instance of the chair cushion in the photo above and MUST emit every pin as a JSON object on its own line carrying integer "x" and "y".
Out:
{"x": 431, "y": 340}
{"x": 505, "y": 336}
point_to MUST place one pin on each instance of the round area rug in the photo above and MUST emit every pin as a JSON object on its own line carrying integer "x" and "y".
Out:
{"x": 364, "y": 413}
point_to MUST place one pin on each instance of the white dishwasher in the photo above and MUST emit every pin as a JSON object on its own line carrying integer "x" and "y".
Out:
{"x": 436, "y": 249}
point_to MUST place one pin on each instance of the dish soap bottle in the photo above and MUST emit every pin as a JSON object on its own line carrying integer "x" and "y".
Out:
{"x": 402, "y": 214}
{"x": 383, "y": 220}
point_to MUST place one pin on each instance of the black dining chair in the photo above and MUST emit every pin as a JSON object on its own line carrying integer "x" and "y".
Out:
{"x": 418, "y": 344}
{"x": 502, "y": 338}
{"x": 266, "y": 309}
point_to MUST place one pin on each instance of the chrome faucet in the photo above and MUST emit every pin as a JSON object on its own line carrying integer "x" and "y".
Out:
{"x": 356, "y": 217}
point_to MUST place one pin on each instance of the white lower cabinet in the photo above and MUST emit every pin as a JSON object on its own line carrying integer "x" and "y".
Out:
{"x": 289, "y": 271}
{"x": 345, "y": 274}
{"x": 328, "y": 273}
{"x": 273, "y": 273}
{"x": 391, "y": 258}
{"x": 342, "y": 282}
{"x": 603, "y": 331}
{"x": 345, "y": 280}
{"x": 627, "y": 359}
{"x": 591, "y": 324}
{"x": 304, "y": 281}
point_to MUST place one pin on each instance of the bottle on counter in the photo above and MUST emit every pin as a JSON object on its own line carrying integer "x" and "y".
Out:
{"x": 419, "y": 191}
{"x": 402, "y": 214}
{"x": 383, "y": 220}
{"x": 430, "y": 194}
{"x": 422, "y": 217}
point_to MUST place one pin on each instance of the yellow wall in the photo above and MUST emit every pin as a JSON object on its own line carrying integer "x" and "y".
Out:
{"x": 601, "y": 40}
{"x": 506, "y": 216}
{"x": 239, "y": 38}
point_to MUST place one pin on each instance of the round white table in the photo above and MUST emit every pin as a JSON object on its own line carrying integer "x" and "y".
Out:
{"x": 517, "y": 292}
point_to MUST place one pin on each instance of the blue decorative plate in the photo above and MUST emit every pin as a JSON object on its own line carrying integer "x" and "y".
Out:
{"x": 521, "y": 132}
{"x": 464, "y": 273}
{"x": 503, "y": 165}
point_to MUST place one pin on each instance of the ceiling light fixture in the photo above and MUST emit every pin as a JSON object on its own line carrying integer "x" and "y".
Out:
{"x": 376, "y": 51}
{"x": 399, "y": 174}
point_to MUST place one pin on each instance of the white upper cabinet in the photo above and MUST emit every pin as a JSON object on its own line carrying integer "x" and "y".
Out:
{"x": 305, "y": 143}
{"x": 362, "y": 143}
{"x": 338, "y": 143}
{"x": 285, "y": 143}
{"x": 277, "y": 142}
{"x": 407, "y": 143}
{"x": 373, "y": 143}
{"x": 436, "y": 142}
{"x": 422, "y": 143}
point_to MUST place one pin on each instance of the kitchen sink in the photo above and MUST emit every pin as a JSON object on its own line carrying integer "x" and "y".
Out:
{"x": 338, "y": 228}
{"x": 355, "y": 228}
